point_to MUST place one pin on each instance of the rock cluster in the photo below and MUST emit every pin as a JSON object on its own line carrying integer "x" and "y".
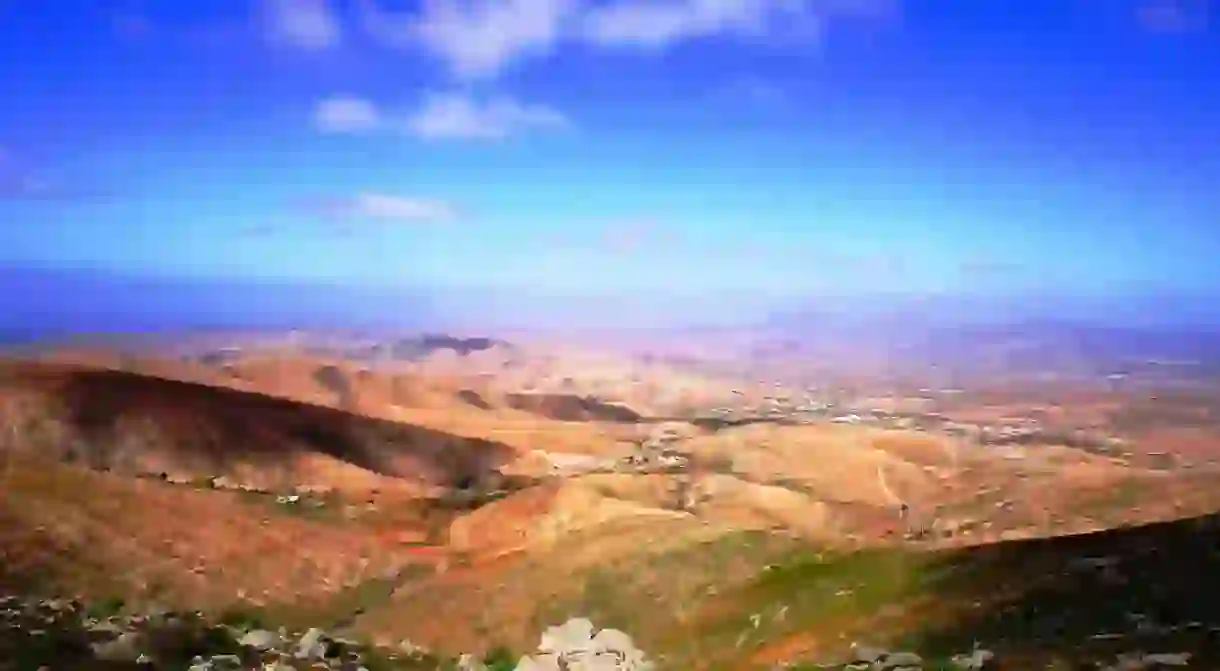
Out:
{"x": 870, "y": 658}
{"x": 577, "y": 644}
{"x": 867, "y": 658}
{"x": 63, "y": 634}
{"x": 648, "y": 459}
{"x": 1149, "y": 661}
{"x": 53, "y": 634}
{"x": 656, "y": 453}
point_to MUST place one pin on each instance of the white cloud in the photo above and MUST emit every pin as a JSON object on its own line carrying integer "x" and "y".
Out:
{"x": 303, "y": 24}
{"x": 450, "y": 116}
{"x": 478, "y": 39}
{"x": 475, "y": 38}
{"x": 400, "y": 208}
{"x": 655, "y": 24}
{"x": 374, "y": 205}
{"x": 346, "y": 114}
{"x": 440, "y": 116}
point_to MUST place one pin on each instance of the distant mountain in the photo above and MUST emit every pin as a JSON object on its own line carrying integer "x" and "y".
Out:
{"x": 40, "y": 303}
{"x": 408, "y": 348}
{"x": 1008, "y": 335}
{"x": 431, "y": 342}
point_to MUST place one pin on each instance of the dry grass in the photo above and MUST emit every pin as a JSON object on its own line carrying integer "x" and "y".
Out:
{"x": 641, "y": 575}
{"x": 839, "y": 464}
{"x": 66, "y": 530}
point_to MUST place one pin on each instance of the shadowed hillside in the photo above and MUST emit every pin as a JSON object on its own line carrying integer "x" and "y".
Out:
{"x": 1116, "y": 599}
{"x": 139, "y": 424}
{"x": 571, "y": 408}
{"x": 1082, "y": 600}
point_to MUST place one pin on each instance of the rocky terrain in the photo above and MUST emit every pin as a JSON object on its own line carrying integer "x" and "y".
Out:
{"x": 66, "y": 634}
{"x": 470, "y": 496}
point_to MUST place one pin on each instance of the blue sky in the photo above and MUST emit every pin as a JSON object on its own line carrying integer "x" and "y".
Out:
{"x": 749, "y": 148}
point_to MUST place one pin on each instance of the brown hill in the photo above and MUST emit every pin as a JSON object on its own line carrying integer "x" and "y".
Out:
{"x": 68, "y": 530}
{"x": 469, "y": 406}
{"x": 140, "y": 424}
{"x": 676, "y": 558}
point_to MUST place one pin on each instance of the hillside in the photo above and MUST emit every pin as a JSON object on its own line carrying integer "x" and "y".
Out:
{"x": 139, "y": 424}
{"x": 69, "y": 531}
{"x": 459, "y": 513}
{"x": 1132, "y": 598}
{"x": 1117, "y": 599}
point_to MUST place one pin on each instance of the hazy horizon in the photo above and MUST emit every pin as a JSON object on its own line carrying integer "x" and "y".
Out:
{"x": 100, "y": 302}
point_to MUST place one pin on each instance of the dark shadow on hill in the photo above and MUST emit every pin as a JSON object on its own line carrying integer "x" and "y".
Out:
{"x": 473, "y": 398}
{"x": 572, "y": 408}
{"x": 1082, "y": 600}
{"x": 333, "y": 379}
{"x": 715, "y": 424}
{"x": 108, "y": 419}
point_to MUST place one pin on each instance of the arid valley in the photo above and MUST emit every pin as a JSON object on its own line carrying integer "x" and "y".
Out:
{"x": 429, "y": 497}
{"x": 609, "y": 335}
